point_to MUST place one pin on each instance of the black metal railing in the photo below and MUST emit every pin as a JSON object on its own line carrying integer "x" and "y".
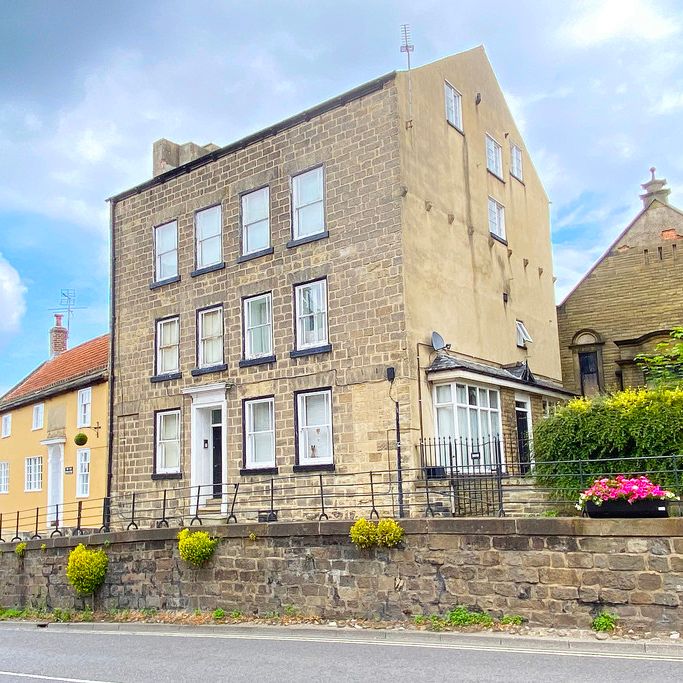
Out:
{"x": 453, "y": 479}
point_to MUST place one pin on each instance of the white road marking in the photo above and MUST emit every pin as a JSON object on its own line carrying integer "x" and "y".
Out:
{"x": 41, "y": 677}
{"x": 362, "y": 641}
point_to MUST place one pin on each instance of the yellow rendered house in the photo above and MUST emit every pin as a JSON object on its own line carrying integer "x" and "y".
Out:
{"x": 53, "y": 441}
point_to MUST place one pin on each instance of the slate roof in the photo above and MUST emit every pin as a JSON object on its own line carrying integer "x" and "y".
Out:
{"x": 518, "y": 373}
{"x": 84, "y": 362}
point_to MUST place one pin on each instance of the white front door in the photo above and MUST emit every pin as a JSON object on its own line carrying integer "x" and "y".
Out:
{"x": 55, "y": 484}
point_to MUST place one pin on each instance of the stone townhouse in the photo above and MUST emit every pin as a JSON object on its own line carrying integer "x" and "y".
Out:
{"x": 627, "y": 302}
{"x": 274, "y": 298}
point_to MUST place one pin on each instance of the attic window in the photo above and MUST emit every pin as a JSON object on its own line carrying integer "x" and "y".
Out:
{"x": 523, "y": 335}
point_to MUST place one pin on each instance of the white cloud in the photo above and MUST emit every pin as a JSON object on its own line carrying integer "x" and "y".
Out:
{"x": 602, "y": 21}
{"x": 12, "y": 303}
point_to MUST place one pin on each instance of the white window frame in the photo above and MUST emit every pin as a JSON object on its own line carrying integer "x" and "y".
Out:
{"x": 38, "y": 416}
{"x": 250, "y": 433}
{"x": 157, "y": 352}
{"x": 199, "y": 241}
{"x": 6, "y": 425}
{"x": 494, "y": 156}
{"x": 453, "y": 100}
{"x": 201, "y": 363}
{"x": 298, "y": 294}
{"x": 159, "y": 451}
{"x": 4, "y": 477}
{"x": 302, "y": 428}
{"x": 516, "y": 162}
{"x": 33, "y": 473}
{"x": 248, "y": 352}
{"x": 158, "y": 255}
{"x": 523, "y": 335}
{"x": 84, "y": 406}
{"x": 296, "y": 207}
{"x": 494, "y": 430}
{"x": 497, "y": 226}
{"x": 82, "y": 473}
{"x": 245, "y": 226}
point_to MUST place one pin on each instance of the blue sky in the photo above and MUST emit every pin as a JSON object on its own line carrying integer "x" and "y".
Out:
{"x": 86, "y": 87}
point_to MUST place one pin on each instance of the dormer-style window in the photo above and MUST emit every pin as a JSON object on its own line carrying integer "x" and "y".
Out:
{"x": 523, "y": 336}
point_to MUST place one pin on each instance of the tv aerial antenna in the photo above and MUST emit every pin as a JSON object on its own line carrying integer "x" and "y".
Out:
{"x": 408, "y": 47}
{"x": 67, "y": 305}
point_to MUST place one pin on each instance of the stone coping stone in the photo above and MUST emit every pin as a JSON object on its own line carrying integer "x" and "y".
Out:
{"x": 493, "y": 526}
{"x": 487, "y": 640}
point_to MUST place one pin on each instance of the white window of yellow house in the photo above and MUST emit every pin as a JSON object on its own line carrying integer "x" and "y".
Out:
{"x": 6, "y": 425}
{"x": 38, "y": 415}
{"x": 83, "y": 473}
{"x": 166, "y": 251}
{"x": 4, "y": 477}
{"x": 314, "y": 421}
{"x": 209, "y": 239}
{"x": 523, "y": 336}
{"x": 494, "y": 156}
{"x": 308, "y": 206}
{"x": 84, "y": 407}
{"x": 260, "y": 433}
{"x": 516, "y": 161}
{"x": 453, "y": 106}
{"x": 33, "y": 474}
{"x": 167, "y": 459}
{"x": 255, "y": 221}
{"x": 168, "y": 341}
{"x": 210, "y": 337}
{"x": 496, "y": 218}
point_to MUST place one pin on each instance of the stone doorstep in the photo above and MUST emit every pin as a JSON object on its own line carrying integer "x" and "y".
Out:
{"x": 323, "y": 632}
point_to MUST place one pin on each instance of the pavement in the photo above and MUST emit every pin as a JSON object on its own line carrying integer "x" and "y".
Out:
{"x": 119, "y": 653}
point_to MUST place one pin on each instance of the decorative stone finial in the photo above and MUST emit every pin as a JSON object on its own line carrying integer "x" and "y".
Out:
{"x": 652, "y": 170}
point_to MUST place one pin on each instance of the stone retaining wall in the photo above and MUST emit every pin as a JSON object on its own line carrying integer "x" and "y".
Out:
{"x": 554, "y": 572}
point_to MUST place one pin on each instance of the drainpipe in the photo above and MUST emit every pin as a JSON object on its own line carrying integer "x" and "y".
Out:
{"x": 112, "y": 327}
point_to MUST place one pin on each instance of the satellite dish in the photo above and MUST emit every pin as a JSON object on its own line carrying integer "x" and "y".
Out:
{"x": 438, "y": 342}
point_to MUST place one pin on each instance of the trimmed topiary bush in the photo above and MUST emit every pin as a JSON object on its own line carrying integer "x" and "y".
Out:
{"x": 363, "y": 533}
{"x": 86, "y": 569}
{"x": 196, "y": 547}
{"x": 389, "y": 533}
{"x": 591, "y": 438}
{"x": 81, "y": 439}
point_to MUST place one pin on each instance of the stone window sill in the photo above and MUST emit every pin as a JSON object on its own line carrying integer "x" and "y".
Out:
{"x": 307, "y": 239}
{"x": 329, "y": 467}
{"x": 246, "y": 471}
{"x": 160, "y": 476}
{"x": 300, "y": 353}
{"x": 498, "y": 239}
{"x": 165, "y": 378}
{"x": 197, "y": 372}
{"x": 250, "y": 362}
{"x": 495, "y": 175}
{"x": 163, "y": 283}
{"x": 208, "y": 269}
{"x": 256, "y": 254}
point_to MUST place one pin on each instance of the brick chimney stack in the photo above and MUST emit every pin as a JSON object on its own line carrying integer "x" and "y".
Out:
{"x": 58, "y": 337}
{"x": 654, "y": 189}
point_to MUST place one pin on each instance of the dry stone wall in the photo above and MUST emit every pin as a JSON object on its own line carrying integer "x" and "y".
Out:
{"x": 553, "y": 572}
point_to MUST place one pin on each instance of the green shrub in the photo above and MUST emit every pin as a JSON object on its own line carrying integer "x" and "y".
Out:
{"x": 389, "y": 533}
{"x": 86, "y": 569}
{"x": 197, "y": 547}
{"x": 20, "y": 550}
{"x": 420, "y": 619}
{"x": 236, "y": 614}
{"x": 512, "y": 620}
{"x": 81, "y": 439}
{"x": 363, "y": 533}
{"x": 218, "y": 614}
{"x": 589, "y": 438}
{"x": 461, "y": 616}
{"x": 604, "y": 622}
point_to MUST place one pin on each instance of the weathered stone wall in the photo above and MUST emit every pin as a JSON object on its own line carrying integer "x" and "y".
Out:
{"x": 555, "y": 572}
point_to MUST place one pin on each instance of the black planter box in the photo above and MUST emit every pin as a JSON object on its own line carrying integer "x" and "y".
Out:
{"x": 622, "y": 508}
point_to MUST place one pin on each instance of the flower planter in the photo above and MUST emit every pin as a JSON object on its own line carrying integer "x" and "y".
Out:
{"x": 622, "y": 508}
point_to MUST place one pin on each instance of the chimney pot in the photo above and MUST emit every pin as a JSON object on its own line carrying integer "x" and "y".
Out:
{"x": 58, "y": 337}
